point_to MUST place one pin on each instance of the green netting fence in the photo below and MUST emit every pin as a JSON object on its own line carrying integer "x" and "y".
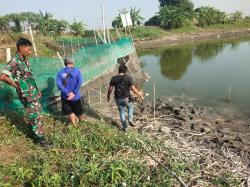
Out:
{"x": 92, "y": 60}
{"x": 74, "y": 42}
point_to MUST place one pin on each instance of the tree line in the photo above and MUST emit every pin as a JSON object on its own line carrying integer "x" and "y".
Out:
{"x": 172, "y": 14}
{"x": 178, "y": 13}
{"x": 42, "y": 23}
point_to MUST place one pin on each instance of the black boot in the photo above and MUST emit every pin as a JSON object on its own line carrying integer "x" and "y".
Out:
{"x": 44, "y": 144}
{"x": 41, "y": 141}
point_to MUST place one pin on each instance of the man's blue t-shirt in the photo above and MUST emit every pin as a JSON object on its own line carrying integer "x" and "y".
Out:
{"x": 69, "y": 80}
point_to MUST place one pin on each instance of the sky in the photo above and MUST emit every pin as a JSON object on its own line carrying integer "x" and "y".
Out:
{"x": 89, "y": 11}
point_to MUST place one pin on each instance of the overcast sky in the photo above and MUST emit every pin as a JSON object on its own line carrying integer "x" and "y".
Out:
{"x": 89, "y": 11}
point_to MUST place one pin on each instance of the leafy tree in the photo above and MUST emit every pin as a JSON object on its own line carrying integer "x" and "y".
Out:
{"x": 32, "y": 19}
{"x": 117, "y": 22}
{"x": 154, "y": 21}
{"x": 4, "y": 23}
{"x": 77, "y": 28}
{"x": 237, "y": 15}
{"x": 15, "y": 22}
{"x": 207, "y": 15}
{"x": 173, "y": 17}
{"x": 136, "y": 17}
{"x": 45, "y": 23}
{"x": 186, "y": 5}
{"x": 59, "y": 26}
{"x": 135, "y": 14}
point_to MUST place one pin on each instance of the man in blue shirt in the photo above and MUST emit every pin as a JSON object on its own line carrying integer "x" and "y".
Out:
{"x": 69, "y": 81}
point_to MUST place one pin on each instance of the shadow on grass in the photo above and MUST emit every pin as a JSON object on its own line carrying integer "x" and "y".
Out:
{"x": 18, "y": 121}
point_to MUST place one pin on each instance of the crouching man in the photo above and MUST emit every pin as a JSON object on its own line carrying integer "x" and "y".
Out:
{"x": 123, "y": 83}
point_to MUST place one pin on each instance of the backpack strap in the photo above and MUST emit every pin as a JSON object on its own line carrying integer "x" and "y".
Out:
{"x": 65, "y": 80}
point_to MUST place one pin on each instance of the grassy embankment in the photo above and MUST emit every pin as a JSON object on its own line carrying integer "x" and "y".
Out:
{"x": 147, "y": 33}
{"x": 92, "y": 155}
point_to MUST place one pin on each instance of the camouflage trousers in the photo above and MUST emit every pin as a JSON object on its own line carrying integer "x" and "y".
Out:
{"x": 33, "y": 111}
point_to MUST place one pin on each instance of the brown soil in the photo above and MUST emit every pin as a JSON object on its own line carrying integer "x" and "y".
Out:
{"x": 9, "y": 154}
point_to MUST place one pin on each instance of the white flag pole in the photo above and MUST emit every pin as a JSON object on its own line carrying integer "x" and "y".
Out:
{"x": 103, "y": 23}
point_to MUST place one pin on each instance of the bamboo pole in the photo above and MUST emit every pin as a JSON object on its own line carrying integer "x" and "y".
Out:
{"x": 89, "y": 99}
{"x": 100, "y": 92}
{"x": 108, "y": 36}
{"x": 100, "y": 97}
{"x": 59, "y": 56}
{"x": 126, "y": 31}
{"x": 154, "y": 100}
{"x": 144, "y": 147}
{"x": 8, "y": 54}
{"x": 71, "y": 43}
{"x": 33, "y": 41}
{"x": 130, "y": 34}
{"x": 96, "y": 42}
{"x": 64, "y": 53}
{"x": 103, "y": 23}
{"x": 118, "y": 33}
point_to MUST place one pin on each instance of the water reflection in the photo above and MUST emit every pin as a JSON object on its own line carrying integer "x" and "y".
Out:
{"x": 175, "y": 61}
{"x": 235, "y": 44}
{"x": 207, "y": 51}
{"x": 206, "y": 68}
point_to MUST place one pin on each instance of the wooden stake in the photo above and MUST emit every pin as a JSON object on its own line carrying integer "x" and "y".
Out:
{"x": 100, "y": 107}
{"x": 100, "y": 82}
{"x": 103, "y": 23}
{"x": 78, "y": 43}
{"x": 118, "y": 33}
{"x": 71, "y": 46}
{"x": 33, "y": 41}
{"x": 8, "y": 54}
{"x": 89, "y": 99}
{"x": 96, "y": 39}
{"x": 64, "y": 54}
{"x": 108, "y": 36}
{"x": 154, "y": 100}
{"x": 130, "y": 34}
{"x": 59, "y": 56}
{"x": 126, "y": 31}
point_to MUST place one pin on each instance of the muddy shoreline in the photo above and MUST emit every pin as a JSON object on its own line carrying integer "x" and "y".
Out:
{"x": 217, "y": 143}
{"x": 203, "y": 35}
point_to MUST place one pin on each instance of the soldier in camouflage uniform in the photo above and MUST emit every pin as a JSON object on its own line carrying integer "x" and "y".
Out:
{"x": 18, "y": 74}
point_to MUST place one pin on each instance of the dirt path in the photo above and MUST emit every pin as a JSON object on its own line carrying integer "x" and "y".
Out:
{"x": 175, "y": 39}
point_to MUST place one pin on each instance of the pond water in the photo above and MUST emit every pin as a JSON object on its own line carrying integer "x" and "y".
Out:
{"x": 214, "y": 73}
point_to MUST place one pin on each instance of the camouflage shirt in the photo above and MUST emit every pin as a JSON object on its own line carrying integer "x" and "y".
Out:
{"x": 18, "y": 69}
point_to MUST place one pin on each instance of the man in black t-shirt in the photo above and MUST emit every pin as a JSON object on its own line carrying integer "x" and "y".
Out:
{"x": 123, "y": 83}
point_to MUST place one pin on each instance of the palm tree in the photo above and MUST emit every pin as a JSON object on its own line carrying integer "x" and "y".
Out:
{"x": 173, "y": 17}
{"x": 186, "y": 5}
{"x": 208, "y": 15}
{"x": 237, "y": 15}
{"x": 77, "y": 28}
{"x": 117, "y": 22}
{"x": 137, "y": 19}
{"x": 59, "y": 26}
{"x": 45, "y": 23}
{"x": 4, "y": 23}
